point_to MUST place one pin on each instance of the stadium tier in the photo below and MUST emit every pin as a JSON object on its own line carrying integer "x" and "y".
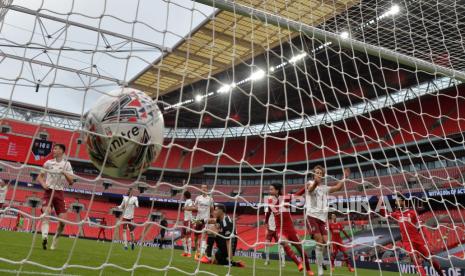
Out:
{"x": 444, "y": 178}
{"x": 416, "y": 121}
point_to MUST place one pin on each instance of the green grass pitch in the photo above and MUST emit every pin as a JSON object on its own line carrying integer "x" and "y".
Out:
{"x": 17, "y": 247}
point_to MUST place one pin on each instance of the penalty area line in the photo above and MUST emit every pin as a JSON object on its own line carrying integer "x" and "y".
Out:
{"x": 14, "y": 271}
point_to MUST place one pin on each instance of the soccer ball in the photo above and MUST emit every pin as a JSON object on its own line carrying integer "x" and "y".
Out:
{"x": 124, "y": 133}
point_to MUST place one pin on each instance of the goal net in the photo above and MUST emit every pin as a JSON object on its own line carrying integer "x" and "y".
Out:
{"x": 253, "y": 94}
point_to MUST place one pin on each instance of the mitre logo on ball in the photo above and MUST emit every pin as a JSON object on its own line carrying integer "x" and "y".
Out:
{"x": 124, "y": 133}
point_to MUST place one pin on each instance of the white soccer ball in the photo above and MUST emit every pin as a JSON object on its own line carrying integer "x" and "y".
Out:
{"x": 124, "y": 132}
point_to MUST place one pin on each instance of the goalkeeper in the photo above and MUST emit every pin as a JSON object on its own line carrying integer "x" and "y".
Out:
{"x": 225, "y": 240}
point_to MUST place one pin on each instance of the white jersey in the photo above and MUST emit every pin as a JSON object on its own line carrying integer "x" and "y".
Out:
{"x": 128, "y": 205}
{"x": 271, "y": 221}
{"x": 316, "y": 202}
{"x": 3, "y": 191}
{"x": 188, "y": 214}
{"x": 204, "y": 204}
{"x": 54, "y": 178}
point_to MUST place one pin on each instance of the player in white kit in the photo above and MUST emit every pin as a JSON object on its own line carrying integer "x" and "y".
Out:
{"x": 187, "y": 229}
{"x": 3, "y": 191}
{"x": 55, "y": 173}
{"x": 128, "y": 205}
{"x": 316, "y": 209}
{"x": 204, "y": 206}
{"x": 271, "y": 235}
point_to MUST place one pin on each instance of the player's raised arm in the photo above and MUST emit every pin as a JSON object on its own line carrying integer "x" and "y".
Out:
{"x": 318, "y": 174}
{"x": 340, "y": 184}
{"x": 311, "y": 185}
{"x": 302, "y": 190}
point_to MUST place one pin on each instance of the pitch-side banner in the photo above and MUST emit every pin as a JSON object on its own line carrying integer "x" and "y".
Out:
{"x": 405, "y": 268}
{"x": 20, "y": 149}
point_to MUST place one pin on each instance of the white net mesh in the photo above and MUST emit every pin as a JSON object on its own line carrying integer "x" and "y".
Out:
{"x": 253, "y": 93}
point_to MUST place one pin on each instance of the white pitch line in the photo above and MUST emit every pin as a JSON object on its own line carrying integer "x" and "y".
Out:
{"x": 33, "y": 272}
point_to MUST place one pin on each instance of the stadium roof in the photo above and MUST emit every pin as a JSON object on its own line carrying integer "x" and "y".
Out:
{"x": 227, "y": 39}
{"x": 304, "y": 75}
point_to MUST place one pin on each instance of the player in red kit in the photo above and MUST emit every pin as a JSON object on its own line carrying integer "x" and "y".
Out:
{"x": 411, "y": 235}
{"x": 335, "y": 228}
{"x": 279, "y": 206}
{"x": 101, "y": 230}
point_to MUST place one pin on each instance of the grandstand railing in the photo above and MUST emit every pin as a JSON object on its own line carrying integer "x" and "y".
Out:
{"x": 75, "y": 123}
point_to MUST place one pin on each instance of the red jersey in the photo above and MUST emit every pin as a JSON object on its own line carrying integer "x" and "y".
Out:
{"x": 280, "y": 208}
{"x": 408, "y": 224}
{"x": 336, "y": 229}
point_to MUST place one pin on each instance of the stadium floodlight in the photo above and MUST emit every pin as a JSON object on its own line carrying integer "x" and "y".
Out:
{"x": 395, "y": 9}
{"x": 345, "y": 35}
{"x": 226, "y": 88}
{"x": 298, "y": 57}
{"x": 259, "y": 74}
{"x": 198, "y": 98}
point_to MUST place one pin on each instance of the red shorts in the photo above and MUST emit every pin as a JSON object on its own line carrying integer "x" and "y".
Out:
{"x": 186, "y": 230}
{"x": 337, "y": 246}
{"x": 199, "y": 226}
{"x": 270, "y": 235}
{"x": 289, "y": 234}
{"x": 57, "y": 202}
{"x": 317, "y": 226}
{"x": 130, "y": 226}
